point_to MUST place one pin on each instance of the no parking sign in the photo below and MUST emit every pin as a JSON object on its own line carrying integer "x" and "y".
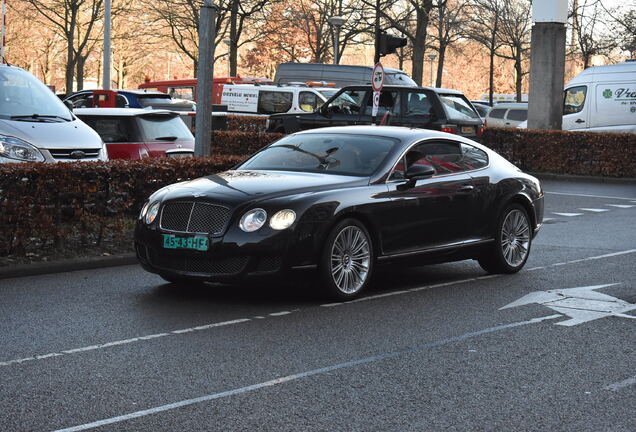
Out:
{"x": 377, "y": 82}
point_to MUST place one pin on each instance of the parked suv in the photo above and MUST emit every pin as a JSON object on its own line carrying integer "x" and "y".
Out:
{"x": 422, "y": 107}
{"x": 507, "y": 114}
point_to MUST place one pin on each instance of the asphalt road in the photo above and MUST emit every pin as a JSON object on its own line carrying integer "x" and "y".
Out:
{"x": 427, "y": 349}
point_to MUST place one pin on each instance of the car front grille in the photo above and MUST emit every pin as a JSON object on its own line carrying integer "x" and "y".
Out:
{"x": 75, "y": 154}
{"x": 197, "y": 263}
{"x": 194, "y": 217}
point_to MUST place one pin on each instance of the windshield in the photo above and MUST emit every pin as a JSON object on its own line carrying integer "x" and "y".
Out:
{"x": 164, "y": 128}
{"x": 457, "y": 107}
{"x": 358, "y": 155}
{"x": 23, "y": 97}
{"x": 328, "y": 93}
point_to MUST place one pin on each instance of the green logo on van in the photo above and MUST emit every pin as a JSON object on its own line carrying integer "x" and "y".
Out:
{"x": 607, "y": 94}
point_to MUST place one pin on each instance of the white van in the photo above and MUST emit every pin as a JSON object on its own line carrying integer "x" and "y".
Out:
{"x": 271, "y": 99}
{"x": 601, "y": 99}
{"x": 507, "y": 115}
{"x": 35, "y": 126}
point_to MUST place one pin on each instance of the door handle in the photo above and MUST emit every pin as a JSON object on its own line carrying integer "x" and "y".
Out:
{"x": 579, "y": 121}
{"x": 466, "y": 188}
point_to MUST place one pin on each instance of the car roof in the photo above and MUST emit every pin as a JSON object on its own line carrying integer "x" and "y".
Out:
{"x": 400, "y": 132}
{"x": 393, "y": 86}
{"x": 121, "y": 112}
{"x": 511, "y": 105}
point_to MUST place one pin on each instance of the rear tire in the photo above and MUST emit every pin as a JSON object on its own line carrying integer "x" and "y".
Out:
{"x": 346, "y": 263}
{"x": 513, "y": 239}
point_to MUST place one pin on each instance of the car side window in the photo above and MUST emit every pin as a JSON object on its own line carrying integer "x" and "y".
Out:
{"x": 348, "y": 102}
{"x": 307, "y": 101}
{"x": 417, "y": 104}
{"x": 389, "y": 102}
{"x": 121, "y": 101}
{"x": 574, "y": 100}
{"x": 497, "y": 113}
{"x": 473, "y": 158}
{"x": 110, "y": 129}
{"x": 82, "y": 100}
{"x": 517, "y": 115}
{"x": 274, "y": 102}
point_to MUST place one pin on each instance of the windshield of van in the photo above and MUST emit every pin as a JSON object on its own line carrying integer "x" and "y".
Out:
{"x": 23, "y": 97}
{"x": 457, "y": 107}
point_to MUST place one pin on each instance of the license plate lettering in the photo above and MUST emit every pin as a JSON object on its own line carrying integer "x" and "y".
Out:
{"x": 468, "y": 129}
{"x": 195, "y": 243}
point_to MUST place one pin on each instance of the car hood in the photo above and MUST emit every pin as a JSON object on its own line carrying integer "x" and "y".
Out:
{"x": 235, "y": 187}
{"x": 54, "y": 135}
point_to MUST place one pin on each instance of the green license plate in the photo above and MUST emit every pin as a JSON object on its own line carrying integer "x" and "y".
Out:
{"x": 196, "y": 243}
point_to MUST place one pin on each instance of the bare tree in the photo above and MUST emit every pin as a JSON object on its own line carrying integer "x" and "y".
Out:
{"x": 515, "y": 26}
{"x": 449, "y": 18}
{"x": 483, "y": 28}
{"x": 75, "y": 20}
{"x": 589, "y": 30}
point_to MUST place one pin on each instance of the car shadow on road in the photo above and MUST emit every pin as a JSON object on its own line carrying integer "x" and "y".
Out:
{"x": 303, "y": 288}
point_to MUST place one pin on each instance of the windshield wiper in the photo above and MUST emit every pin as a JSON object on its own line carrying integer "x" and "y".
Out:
{"x": 167, "y": 138}
{"x": 37, "y": 117}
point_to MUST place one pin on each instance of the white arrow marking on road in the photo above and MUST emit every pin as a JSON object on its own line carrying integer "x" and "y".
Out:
{"x": 623, "y": 206}
{"x": 567, "y": 214}
{"x": 593, "y": 210}
{"x": 581, "y": 304}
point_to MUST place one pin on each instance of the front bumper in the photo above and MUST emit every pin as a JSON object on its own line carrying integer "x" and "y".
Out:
{"x": 233, "y": 255}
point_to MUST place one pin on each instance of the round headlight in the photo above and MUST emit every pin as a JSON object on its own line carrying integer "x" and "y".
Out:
{"x": 282, "y": 219}
{"x": 152, "y": 212}
{"x": 144, "y": 210}
{"x": 253, "y": 220}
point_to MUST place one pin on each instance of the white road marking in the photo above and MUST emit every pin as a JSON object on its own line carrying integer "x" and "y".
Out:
{"x": 279, "y": 313}
{"x": 293, "y": 377}
{"x": 567, "y": 214}
{"x": 590, "y": 196}
{"x": 622, "y": 206}
{"x": 621, "y": 385}
{"x": 548, "y": 219}
{"x": 580, "y": 304}
{"x": 238, "y": 321}
{"x": 124, "y": 341}
{"x": 594, "y": 210}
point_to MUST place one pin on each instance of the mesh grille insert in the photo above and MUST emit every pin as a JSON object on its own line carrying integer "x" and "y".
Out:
{"x": 194, "y": 217}
{"x": 194, "y": 263}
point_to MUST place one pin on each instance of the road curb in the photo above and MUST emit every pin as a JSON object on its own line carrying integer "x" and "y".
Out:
{"x": 578, "y": 178}
{"x": 62, "y": 266}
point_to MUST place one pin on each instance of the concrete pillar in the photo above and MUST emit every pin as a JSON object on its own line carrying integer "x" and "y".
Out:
{"x": 547, "y": 64}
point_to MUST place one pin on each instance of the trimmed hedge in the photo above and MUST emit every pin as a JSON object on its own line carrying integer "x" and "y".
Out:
{"x": 246, "y": 123}
{"x": 79, "y": 204}
{"x": 241, "y": 143}
{"x": 559, "y": 152}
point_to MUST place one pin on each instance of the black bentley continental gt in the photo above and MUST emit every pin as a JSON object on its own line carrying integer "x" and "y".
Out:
{"x": 341, "y": 200}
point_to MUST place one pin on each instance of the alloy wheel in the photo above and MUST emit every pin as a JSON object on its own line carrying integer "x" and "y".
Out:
{"x": 350, "y": 259}
{"x": 515, "y": 238}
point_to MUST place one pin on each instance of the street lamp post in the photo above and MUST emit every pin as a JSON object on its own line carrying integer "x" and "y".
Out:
{"x": 228, "y": 42}
{"x": 432, "y": 58}
{"x": 336, "y": 22}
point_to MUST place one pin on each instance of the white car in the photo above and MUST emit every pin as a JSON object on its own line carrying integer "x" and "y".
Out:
{"x": 35, "y": 126}
{"x": 507, "y": 115}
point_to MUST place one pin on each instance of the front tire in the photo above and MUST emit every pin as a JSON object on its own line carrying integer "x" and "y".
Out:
{"x": 513, "y": 239}
{"x": 346, "y": 263}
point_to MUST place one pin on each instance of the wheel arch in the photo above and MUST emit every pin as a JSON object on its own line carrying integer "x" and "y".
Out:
{"x": 360, "y": 217}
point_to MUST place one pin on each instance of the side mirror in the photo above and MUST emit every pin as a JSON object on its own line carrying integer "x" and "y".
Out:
{"x": 69, "y": 105}
{"x": 418, "y": 172}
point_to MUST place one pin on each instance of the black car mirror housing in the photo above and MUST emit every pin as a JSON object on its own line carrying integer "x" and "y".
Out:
{"x": 418, "y": 172}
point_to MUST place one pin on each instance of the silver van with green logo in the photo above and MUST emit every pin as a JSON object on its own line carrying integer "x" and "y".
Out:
{"x": 35, "y": 126}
